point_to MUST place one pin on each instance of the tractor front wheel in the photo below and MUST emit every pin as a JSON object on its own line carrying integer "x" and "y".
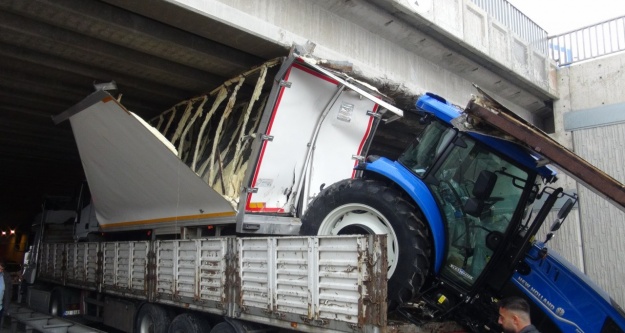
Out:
{"x": 359, "y": 206}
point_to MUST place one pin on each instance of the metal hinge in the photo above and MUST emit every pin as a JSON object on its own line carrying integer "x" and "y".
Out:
{"x": 251, "y": 189}
{"x": 266, "y": 137}
{"x": 391, "y": 119}
{"x": 285, "y": 84}
{"x": 374, "y": 114}
{"x": 320, "y": 322}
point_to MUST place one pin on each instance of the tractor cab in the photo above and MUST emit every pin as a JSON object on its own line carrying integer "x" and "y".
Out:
{"x": 484, "y": 188}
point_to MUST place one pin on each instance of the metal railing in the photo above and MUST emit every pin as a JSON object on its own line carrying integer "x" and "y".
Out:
{"x": 517, "y": 22}
{"x": 588, "y": 42}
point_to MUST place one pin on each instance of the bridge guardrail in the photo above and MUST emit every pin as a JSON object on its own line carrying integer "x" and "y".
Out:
{"x": 589, "y": 42}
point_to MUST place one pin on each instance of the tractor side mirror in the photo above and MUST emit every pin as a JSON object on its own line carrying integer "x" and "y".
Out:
{"x": 566, "y": 209}
{"x": 482, "y": 190}
{"x": 562, "y": 214}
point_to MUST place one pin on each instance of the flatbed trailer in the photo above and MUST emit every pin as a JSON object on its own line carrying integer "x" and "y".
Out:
{"x": 290, "y": 284}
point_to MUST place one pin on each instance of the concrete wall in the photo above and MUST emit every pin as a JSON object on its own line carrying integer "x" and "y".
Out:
{"x": 590, "y": 119}
{"x": 384, "y": 41}
{"x": 483, "y": 35}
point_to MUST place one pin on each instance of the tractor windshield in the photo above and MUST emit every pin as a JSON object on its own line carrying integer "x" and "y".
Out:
{"x": 422, "y": 153}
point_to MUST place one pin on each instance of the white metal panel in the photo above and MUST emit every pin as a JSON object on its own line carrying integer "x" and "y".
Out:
{"x": 165, "y": 260}
{"x": 192, "y": 269}
{"x": 123, "y": 270}
{"x": 91, "y": 266}
{"x": 293, "y": 262}
{"x": 212, "y": 268}
{"x": 52, "y": 263}
{"x": 136, "y": 181}
{"x": 341, "y": 137}
{"x": 43, "y": 260}
{"x": 319, "y": 278}
{"x": 125, "y": 267}
{"x": 73, "y": 261}
{"x": 82, "y": 264}
{"x": 139, "y": 266}
{"x": 297, "y": 112}
{"x": 187, "y": 268}
{"x": 341, "y": 275}
{"x": 108, "y": 264}
{"x": 255, "y": 264}
{"x": 46, "y": 264}
{"x": 316, "y": 128}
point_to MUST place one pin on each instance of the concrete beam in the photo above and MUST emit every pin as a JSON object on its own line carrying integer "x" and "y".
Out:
{"x": 217, "y": 22}
{"x": 83, "y": 49}
{"x": 383, "y": 43}
{"x": 83, "y": 74}
{"x": 123, "y": 28}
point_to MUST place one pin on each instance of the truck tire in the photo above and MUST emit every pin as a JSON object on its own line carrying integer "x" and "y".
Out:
{"x": 223, "y": 327}
{"x": 359, "y": 206}
{"x": 152, "y": 319}
{"x": 189, "y": 323}
{"x": 57, "y": 306}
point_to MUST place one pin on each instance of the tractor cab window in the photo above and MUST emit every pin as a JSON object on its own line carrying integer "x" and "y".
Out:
{"x": 422, "y": 153}
{"x": 478, "y": 192}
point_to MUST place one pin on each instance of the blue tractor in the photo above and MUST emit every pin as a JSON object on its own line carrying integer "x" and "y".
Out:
{"x": 458, "y": 209}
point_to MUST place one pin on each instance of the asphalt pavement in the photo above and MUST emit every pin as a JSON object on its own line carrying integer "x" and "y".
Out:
{"x": 6, "y": 328}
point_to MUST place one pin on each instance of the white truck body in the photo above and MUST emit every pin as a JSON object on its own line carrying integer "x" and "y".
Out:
{"x": 259, "y": 162}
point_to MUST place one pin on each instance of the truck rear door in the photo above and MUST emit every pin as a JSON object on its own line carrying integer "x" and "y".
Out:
{"x": 316, "y": 130}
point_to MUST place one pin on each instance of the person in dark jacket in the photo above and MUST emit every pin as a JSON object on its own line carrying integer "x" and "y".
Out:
{"x": 514, "y": 316}
{"x": 6, "y": 292}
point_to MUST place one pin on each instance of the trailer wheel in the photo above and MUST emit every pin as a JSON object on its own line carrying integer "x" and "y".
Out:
{"x": 223, "y": 327}
{"x": 152, "y": 319}
{"x": 56, "y": 303}
{"x": 359, "y": 206}
{"x": 189, "y": 323}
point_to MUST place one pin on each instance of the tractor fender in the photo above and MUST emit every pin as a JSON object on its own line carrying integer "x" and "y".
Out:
{"x": 421, "y": 196}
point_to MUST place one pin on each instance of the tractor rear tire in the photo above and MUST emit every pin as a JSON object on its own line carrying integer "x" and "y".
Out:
{"x": 360, "y": 206}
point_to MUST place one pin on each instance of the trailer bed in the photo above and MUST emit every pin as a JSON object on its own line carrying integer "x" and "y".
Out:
{"x": 336, "y": 283}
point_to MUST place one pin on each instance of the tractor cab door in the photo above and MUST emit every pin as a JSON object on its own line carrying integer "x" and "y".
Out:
{"x": 479, "y": 192}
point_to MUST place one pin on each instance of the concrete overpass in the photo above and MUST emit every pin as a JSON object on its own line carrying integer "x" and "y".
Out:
{"x": 160, "y": 52}
{"x": 440, "y": 46}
